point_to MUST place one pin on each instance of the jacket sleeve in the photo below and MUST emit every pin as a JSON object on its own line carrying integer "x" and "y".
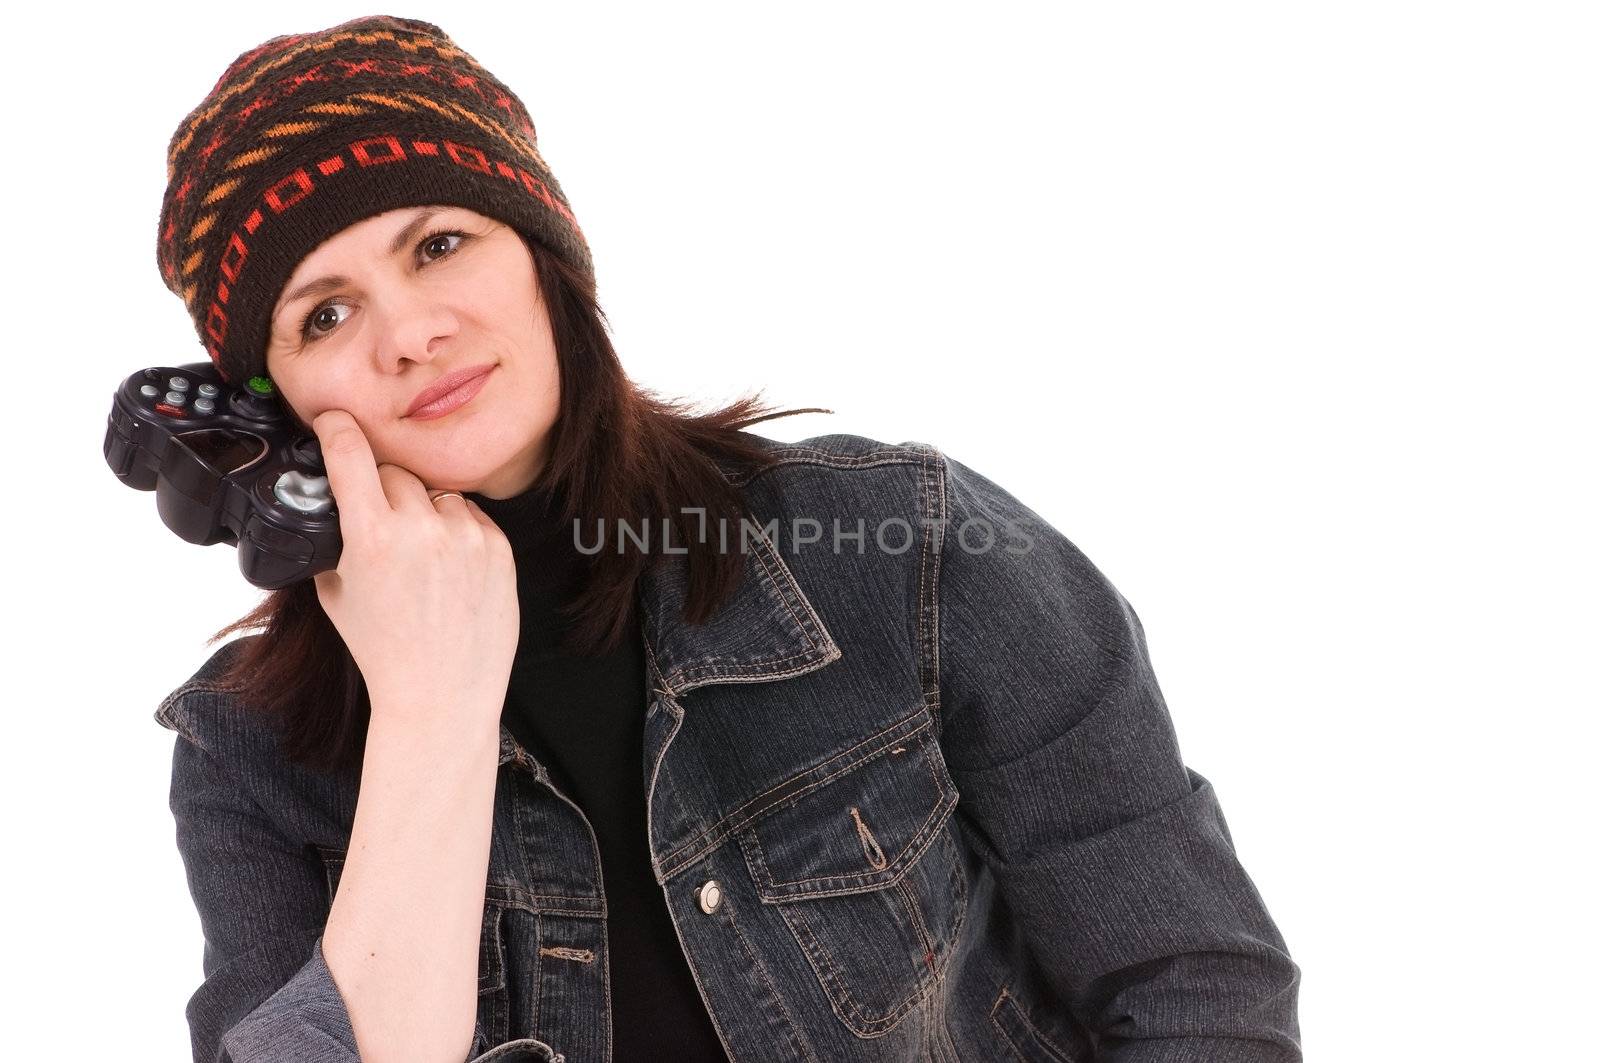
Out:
{"x": 1112, "y": 856}
{"x": 268, "y": 996}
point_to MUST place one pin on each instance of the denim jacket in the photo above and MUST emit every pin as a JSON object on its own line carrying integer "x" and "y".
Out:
{"x": 912, "y": 794}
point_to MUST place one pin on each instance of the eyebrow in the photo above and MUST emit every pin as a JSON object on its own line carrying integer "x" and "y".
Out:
{"x": 401, "y": 241}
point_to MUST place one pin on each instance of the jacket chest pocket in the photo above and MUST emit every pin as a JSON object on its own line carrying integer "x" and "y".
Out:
{"x": 862, "y": 867}
{"x": 492, "y": 1004}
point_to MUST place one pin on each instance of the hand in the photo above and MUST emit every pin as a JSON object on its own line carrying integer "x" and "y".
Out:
{"x": 425, "y": 593}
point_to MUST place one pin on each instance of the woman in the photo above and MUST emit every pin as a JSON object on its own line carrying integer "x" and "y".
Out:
{"x": 620, "y": 733}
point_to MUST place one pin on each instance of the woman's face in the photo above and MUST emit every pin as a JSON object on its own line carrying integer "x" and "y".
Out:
{"x": 403, "y": 309}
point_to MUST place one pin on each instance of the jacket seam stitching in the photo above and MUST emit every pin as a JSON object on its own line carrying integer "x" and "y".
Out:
{"x": 909, "y": 854}
{"x": 751, "y": 810}
{"x": 934, "y": 470}
{"x": 164, "y": 713}
{"x": 899, "y": 456}
{"x": 761, "y": 969}
{"x": 1016, "y": 1011}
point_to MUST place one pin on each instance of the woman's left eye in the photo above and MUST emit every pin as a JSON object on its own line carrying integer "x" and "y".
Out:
{"x": 309, "y": 336}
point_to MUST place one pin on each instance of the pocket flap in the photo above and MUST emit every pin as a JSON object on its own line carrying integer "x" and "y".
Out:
{"x": 858, "y": 829}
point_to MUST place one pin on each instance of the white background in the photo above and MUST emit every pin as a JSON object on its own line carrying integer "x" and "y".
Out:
{"x": 1285, "y": 314}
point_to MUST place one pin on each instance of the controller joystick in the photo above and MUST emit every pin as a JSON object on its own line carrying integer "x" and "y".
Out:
{"x": 227, "y": 465}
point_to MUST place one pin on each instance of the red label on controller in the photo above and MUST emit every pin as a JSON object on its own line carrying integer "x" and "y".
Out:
{"x": 171, "y": 411}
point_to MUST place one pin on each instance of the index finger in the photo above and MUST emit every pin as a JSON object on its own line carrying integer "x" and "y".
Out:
{"x": 352, "y": 471}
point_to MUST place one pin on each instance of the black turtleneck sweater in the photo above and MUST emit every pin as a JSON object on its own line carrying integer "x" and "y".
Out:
{"x": 583, "y": 718}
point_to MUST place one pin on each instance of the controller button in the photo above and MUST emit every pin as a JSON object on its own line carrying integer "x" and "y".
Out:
{"x": 178, "y": 383}
{"x": 204, "y": 405}
{"x": 210, "y": 391}
{"x": 149, "y": 391}
{"x": 177, "y": 398}
{"x": 171, "y": 411}
{"x": 306, "y": 494}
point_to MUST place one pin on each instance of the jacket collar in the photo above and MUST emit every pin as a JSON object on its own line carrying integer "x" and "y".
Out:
{"x": 766, "y": 629}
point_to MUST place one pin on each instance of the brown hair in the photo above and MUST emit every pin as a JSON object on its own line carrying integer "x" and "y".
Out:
{"x": 617, "y": 453}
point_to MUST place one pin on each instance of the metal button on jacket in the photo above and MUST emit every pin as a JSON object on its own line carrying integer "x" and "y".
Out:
{"x": 709, "y": 895}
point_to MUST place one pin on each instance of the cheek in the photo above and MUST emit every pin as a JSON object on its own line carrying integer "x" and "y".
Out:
{"x": 300, "y": 403}
{"x": 300, "y": 422}
{"x": 291, "y": 397}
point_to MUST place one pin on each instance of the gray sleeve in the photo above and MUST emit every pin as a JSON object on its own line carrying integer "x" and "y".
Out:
{"x": 303, "y": 1022}
{"x": 1111, "y": 854}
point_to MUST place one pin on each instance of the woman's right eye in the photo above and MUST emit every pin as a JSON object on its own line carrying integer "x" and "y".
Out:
{"x": 305, "y": 325}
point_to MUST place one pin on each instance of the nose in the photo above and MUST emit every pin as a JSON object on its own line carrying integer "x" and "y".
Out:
{"x": 414, "y": 328}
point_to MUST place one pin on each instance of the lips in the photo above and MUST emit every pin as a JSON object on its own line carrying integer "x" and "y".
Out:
{"x": 445, "y": 385}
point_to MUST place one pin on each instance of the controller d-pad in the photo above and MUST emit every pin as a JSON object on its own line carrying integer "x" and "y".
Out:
{"x": 307, "y": 494}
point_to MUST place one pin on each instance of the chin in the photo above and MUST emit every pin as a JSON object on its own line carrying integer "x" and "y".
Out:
{"x": 458, "y": 482}
{"x": 489, "y": 459}
{"x": 445, "y": 475}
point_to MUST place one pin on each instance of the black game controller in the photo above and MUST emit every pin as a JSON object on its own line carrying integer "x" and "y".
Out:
{"x": 227, "y": 465}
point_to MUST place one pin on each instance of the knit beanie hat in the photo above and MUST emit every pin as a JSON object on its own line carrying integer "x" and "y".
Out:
{"x": 310, "y": 133}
